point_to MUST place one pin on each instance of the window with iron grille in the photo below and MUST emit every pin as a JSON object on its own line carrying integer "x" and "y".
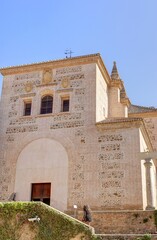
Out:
{"x": 46, "y": 105}
{"x": 65, "y": 105}
{"x": 27, "y": 108}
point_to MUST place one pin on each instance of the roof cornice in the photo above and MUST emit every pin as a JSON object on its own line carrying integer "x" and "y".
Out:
{"x": 143, "y": 114}
{"x": 117, "y": 83}
{"x": 66, "y": 62}
{"x": 123, "y": 123}
{"x": 125, "y": 101}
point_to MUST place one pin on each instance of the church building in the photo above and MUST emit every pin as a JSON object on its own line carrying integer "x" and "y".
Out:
{"x": 70, "y": 135}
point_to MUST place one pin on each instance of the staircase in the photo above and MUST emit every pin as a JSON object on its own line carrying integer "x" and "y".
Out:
{"x": 126, "y": 236}
{"x": 123, "y": 225}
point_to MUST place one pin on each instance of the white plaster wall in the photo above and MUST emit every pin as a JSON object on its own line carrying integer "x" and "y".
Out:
{"x": 143, "y": 148}
{"x": 101, "y": 96}
{"x": 153, "y": 173}
{"x": 43, "y": 160}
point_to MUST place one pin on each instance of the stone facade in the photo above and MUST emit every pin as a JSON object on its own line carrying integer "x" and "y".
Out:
{"x": 89, "y": 153}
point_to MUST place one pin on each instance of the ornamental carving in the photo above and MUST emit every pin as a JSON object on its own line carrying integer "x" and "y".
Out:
{"x": 110, "y": 138}
{"x": 111, "y": 156}
{"x": 110, "y": 166}
{"x": 14, "y": 99}
{"x": 80, "y": 91}
{"x": 22, "y": 121}
{"x": 21, "y": 129}
{"x": 27, "y": 76}
{"x": 67, "y": 125}
{"x": 110, "y": 147}
{"x": 67, "y": 117}
{"x": 111, "y": 183}
{"x": 28, "y": 87}
{"x": 47, "y": 77}
{"x": 111, "y": 174}
{"x": 70, "y": 77}
{"x": 68, "y": 70}
{"x": 65, "y": 83}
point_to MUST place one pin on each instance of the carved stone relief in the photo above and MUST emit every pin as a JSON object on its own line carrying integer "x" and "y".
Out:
{"x": 77, "y": 179}
{"x": 47, "y": 77}
{"x": 22, "y": 121}
{"x": 62, "y": 71}
{"x": 67, "y": 121}
{"x": 21, "y": 87}
{"x": 111, "y": 156}
{"x": 67, "y": 124}
{"x": 65, "y": 83}
{"x": 23, "y": 129}
{"x": 112, "y": 137}
{"x": 110, "y": 147}
{"x": 27, "y": 76}
{"x": 67, "y": 117}
{"x": 14, "y": 99}
{"x": 28, "y": 87}
{"x": 80, "y": 91}
{"x": 10, "y": 138}
{"x": 111, "y": 173}
{"x": 79, "y": 103}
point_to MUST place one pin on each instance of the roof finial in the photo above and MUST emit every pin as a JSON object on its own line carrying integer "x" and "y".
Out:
{"x": 114, "y": 73}
{"x": 68, "y": 53}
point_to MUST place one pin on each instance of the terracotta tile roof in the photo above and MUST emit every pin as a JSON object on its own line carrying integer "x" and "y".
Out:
{"x": 140, "y": 109}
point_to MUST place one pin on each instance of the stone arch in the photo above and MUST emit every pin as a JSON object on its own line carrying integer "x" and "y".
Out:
{"x": 66, "y": 142}
{"x": 43, "y": 160}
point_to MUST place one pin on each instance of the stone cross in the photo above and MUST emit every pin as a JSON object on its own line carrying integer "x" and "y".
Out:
{"x": 147, "y": 156}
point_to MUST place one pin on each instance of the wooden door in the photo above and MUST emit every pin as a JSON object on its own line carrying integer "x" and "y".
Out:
{"x": 41, "y": 192}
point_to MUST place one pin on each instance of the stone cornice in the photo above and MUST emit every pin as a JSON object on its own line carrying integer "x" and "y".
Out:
{"x": 117, "y": 83}
{"x": 48, "y": 64}
{"x": 118, "y": 123}
{"x": 125, "y": 101}
{"x": 103, "y": 70}
{"x": 152, "y": 114}
{"x": 66, "y": 62}
{"x": 123, "y": 123}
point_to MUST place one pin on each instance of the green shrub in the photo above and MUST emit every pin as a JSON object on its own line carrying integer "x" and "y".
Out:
{"x": 145, "y": 237}
{"x": 52, "y": 225}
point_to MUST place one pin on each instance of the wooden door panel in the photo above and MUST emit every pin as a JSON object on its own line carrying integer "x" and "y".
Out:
{"x": 46, "y": 190}
{"x": 41, "y": 190}
{"x": 36, "y": 190}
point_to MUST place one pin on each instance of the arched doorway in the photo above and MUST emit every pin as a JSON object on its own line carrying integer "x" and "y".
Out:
{"x": 43, "y": 161}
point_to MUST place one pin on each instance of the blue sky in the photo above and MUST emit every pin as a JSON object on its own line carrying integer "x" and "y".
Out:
{"x": 120, "y": 30}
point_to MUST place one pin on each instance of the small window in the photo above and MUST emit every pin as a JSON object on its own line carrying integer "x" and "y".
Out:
{"x": 27, "y": 108}
{"x": 65, "y": 105}
{"x": 46, "y": 105}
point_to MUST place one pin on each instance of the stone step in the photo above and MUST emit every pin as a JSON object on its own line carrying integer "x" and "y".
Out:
{"x": 127, "y": 236}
